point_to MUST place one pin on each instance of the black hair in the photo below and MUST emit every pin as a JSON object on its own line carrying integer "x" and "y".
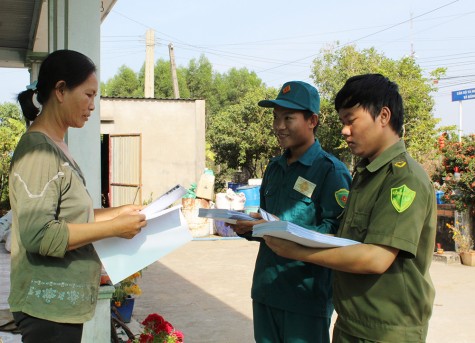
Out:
{"x": 373, "y": 92}
{"x": 308, "y": 114}
{"x": 69, "y": 66}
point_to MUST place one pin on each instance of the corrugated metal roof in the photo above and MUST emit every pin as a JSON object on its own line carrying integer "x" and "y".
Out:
{"x": 18, "y": 27}
{"x": 24, "y": 29}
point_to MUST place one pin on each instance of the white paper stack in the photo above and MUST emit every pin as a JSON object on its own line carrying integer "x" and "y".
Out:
{"x": 228, "y": 216}
{"x": 166, "y": 231}
{"x": 300, "y": 235}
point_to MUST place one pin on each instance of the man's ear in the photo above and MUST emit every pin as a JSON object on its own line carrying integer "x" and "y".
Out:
{"x": 385, "y": 116}
{"x": 314, "y": 120}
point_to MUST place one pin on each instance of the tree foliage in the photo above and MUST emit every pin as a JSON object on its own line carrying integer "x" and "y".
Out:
{"x": 12, "y": 127}
{"x": 199, "y": 78}
{"x": 335, "y": 66}
{"x": 238, "y": 133}
{"x": 241, "y": 134}
{"x": 456, "y": 173}
{"x": 124, "y": 84}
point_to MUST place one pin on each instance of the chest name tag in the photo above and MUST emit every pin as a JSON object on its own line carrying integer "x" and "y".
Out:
{"x": 402, "y": 198}
{"x": 304, "y": 186}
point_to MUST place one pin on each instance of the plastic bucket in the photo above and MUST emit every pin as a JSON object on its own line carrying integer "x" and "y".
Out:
{"x": 252, "y": 195}
{"x": 235, "y": 185}
{"x": 439, "y": 196}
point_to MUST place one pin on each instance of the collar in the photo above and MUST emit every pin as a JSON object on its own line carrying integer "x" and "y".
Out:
{"x": 307, "y": 158}
{"x": 387, "y": 156}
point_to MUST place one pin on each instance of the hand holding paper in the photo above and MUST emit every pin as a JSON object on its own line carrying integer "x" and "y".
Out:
{"x": 228, "y": 216}
{"x": 300, "y": 235}
{"x": 166, "y": 231}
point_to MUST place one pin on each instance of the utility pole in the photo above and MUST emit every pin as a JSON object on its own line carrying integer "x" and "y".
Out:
{"x": 149, "y": 64}
{"x": 176, "y": 91}
{"x": 412, "y": 42}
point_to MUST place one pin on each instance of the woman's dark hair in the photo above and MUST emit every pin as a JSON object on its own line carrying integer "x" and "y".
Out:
{"x": 373, "y": 92}
{"x": 69, "y": 66}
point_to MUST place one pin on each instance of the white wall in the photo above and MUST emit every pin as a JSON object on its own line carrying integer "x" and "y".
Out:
{"x": 173, "y": 138}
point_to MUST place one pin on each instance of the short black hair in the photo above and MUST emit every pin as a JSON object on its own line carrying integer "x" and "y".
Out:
{"x": 373, "y": 92}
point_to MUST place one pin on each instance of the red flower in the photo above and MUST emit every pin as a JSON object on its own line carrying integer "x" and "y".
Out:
{"x": 165, "y": 327}
{"x": 146, "y": 338}
{"x": 154, "y": 322}
{"x": 157, "y": 329}
{"x": 179, "y": 336}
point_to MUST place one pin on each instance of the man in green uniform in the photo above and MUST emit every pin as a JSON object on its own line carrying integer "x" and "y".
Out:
{"x": 292, "y": 300}
{"x": 382, "y": 288}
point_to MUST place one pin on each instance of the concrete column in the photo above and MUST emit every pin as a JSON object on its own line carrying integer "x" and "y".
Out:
{"x": 75, "y": 25}
{"x": 150, "y": 65}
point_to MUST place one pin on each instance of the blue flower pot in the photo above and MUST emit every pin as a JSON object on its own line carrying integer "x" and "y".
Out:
{"x": 125, "y": 310}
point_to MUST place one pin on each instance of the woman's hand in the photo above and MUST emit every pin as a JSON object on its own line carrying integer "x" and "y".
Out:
{"x": 129, "y": 222}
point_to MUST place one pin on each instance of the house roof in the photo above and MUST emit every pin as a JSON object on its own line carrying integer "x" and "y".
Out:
{"x": 24, "y": 30}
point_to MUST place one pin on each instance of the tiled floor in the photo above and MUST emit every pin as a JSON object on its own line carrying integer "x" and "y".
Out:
{"x": 5, "y": 337}
{"x": 4, "y": 276}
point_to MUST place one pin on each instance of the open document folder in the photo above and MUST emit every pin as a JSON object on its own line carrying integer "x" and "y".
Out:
{"x": 298, "y": 234}
{"x": 166, "y": 231}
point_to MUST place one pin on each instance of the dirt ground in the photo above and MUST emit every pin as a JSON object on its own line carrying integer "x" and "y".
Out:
{"x": 203, "y": 289}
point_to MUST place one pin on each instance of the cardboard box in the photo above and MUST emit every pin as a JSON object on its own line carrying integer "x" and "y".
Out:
{"x": 205, "y": 188}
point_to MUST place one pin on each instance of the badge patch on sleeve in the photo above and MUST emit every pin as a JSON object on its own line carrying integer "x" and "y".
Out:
{"x": 402, "y": 198}
{"x": 341, "y": 197}
{"x": 304, "y": 186}
{"x": 400, "y": 164}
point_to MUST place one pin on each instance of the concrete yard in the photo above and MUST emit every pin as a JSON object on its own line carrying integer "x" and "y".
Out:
{"x": 203, "y": 289}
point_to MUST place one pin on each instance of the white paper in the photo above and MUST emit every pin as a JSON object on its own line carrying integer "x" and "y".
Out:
{"x": 163, "y": 234}
{"x": 228, "y": 216}
{"x": 298, "y": 234}
{"x": 166, "y": 230}
{"x": 266, "y": 215}
{"x": 164, "y": 201}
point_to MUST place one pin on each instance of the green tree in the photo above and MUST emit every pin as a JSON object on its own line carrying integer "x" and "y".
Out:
{"x": 199, "y": 78}
{"x": 163, "y": 85}
{"x": 334, "y": 67}
{"x": 230, "y": 87}
{"x": 12, "y": 127}
{"x": 125, "y": 83}
{"x": 241, "y": 134}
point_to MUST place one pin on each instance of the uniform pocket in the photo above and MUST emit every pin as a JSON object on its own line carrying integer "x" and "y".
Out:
{"x": 359, "y": 226}
{"x": 301, "y": 207}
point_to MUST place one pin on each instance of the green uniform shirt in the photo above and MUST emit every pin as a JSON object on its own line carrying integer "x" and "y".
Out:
{"x": 47, "y": 190}
{"x": 310, "y": 192}
{"x": 391, "y": 203}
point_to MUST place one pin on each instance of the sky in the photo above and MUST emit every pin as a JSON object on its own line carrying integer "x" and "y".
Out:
{"x": 279, "y": 39}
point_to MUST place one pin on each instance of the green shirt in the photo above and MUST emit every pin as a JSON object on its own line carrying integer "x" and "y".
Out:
{"x": 47, "y": 191}
{"x": 310, "y": 192}
{"x": 391, "y": 203}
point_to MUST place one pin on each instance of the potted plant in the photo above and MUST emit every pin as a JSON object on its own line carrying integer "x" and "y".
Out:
{"x": 124, "y": 295}
{"x": 463, "y": 242}
{"x": 456, "y": 175}
{"x": 157, "y": 330}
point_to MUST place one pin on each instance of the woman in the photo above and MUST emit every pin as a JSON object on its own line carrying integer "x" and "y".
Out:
{"x": 55, "y": 270}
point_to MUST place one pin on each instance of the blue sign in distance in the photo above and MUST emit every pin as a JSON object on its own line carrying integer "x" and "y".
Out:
{"x": 464, "y": 94}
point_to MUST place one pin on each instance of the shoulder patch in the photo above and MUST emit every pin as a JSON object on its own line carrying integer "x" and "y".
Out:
{"x": 402, "y": 198}
{"x": 400, "y": 164}
{"x": 341, "y": 197}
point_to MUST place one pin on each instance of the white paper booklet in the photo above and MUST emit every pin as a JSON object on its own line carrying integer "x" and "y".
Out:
{"x": 164, "y": 201}
{"x": 266, "y": 215}
{"x": 298, "y": 234}
{"x": 228, "y": 216}
{"x": 166, "y": 231}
